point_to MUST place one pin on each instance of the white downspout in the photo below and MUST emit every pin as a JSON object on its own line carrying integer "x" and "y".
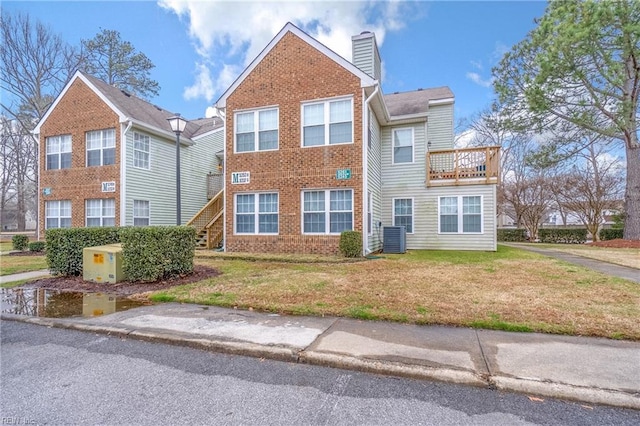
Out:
{"x": 38, "y": 209}
{"x": 123, "y": 173}
{"x": 223, "y": 115}
{"x": 365, "y": 169}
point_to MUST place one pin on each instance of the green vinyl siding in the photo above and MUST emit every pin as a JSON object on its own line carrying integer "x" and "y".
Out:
{"x": 158, "y": 184}
{"x": 374, "y": 178}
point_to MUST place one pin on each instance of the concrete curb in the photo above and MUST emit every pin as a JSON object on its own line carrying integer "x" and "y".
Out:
{"x": 570, "y": 392}
{"x": 345, "y": 362}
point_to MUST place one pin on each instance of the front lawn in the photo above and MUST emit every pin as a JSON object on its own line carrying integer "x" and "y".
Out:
{"x": 511, "y": 289}
{"x": 17, "y": 264}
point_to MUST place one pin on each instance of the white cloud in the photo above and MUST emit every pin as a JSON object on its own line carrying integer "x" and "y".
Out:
{"x": 477, "y": 65}
{"x": 476, "y": 78}
{"x": 229, "y": 35}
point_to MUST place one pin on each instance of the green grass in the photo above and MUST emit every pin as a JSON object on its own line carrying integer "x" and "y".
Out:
{"x": 457, "y": 257}
{"x": 18, "y": 264}
{"x": 14, "y": 283}
{"x": 495, "y": 323}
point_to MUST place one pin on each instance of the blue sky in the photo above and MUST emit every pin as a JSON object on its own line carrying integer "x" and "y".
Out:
{"x": 199, "y": 47}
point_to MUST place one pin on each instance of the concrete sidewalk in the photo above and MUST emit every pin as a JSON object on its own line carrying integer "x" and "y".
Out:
{"x": 631, "y": 274}
{"x": 24, "y": 276}
{"x": 590, "y": 370}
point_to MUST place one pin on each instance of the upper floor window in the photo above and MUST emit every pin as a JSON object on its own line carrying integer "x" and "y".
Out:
{"x": 141, "y": 215}
{"x": 140, "y": 151}
{"x": 58, "y": 152}
{"x": 256, "y": 213}
{"x": 327, "y": 123}
{"x": 403, "y": 213}
{"x": 101, "y": 147}
{"x": 256, "y": 130}
{"x": 101, "y": 212}
{"x": 57, "y": 214}
{"x": 327, "y": 212}
{"x": 403, "y": 145}
{"x": 461, "y": 214}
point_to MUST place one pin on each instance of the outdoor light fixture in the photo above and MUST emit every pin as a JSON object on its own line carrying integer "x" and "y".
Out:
{"x": 177, "y": 124}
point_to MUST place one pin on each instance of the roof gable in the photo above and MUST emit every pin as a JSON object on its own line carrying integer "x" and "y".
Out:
{"x": 128, "y": 107}
{"x": 365, "y": 79}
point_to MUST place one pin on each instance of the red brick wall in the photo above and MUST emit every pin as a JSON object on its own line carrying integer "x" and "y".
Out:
{"x": 79, "y": 111}
{"x": 293, "y": 72}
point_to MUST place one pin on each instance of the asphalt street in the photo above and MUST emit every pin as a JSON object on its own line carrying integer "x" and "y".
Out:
{"x": 59, "y": 376}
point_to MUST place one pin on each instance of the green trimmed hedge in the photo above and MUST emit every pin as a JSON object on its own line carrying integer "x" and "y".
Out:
{"x": 351, "y": 243}
{"x": 562, "y": 235}
{"x": 155, "y": 252}
{"x": 20, "y": 242}
{"x": 611, "y": 234}
{"x": 36, "y": 246}
{"x": 64, "y": 246}
{"x": 518, "y": 235}
{"x": 149, "y": 253}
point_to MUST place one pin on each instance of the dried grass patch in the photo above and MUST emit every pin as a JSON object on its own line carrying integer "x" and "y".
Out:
{"x": 530, "y": 291}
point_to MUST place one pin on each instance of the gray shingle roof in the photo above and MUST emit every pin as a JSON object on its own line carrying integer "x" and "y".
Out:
{"x": 415, "y": 102}
{"x": 147, "y": 113}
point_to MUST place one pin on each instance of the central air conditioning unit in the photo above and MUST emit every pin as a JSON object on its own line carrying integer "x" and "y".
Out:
{"x": 394, "y": 239}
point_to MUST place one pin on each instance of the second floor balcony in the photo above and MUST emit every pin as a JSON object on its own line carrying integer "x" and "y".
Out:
{"x": 467, "y": 166}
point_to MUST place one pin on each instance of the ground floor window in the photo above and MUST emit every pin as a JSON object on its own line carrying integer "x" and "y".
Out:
{"x": 101, "y": 212}
{"x": 403, "y": 213}
{"x": 256, "y": 213}
{"x": 57, "y": 214}
{"x": 327, "y": 211}
{"x": 460, "y": 214}
{"x": 141, "y": 215}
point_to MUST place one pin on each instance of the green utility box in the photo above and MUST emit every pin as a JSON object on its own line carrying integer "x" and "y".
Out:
{"x": 102, "y": 264}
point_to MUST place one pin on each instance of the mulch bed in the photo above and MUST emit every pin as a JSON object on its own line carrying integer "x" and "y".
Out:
{"x": 124, "y": 288}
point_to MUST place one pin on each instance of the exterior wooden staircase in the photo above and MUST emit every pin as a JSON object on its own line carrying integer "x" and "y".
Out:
{"x": 209, "y": 223}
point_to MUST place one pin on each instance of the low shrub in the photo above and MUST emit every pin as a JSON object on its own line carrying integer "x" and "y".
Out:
{"x": 351, "y": 243}
{"x": 562, "y": 235}
{"x": 517, "y": 235}
{"x": 37, "y": 246}
{"x": 20, "y": 242}
{"x": 611, "y": 234}
{"x": 151, "y": 253}
{"x": 64, "y": 247}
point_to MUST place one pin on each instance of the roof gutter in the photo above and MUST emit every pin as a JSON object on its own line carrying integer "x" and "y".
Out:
{"x": 159, "y": 132}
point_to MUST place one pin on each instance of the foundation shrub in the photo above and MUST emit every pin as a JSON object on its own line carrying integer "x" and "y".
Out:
{"x": 64, "y": 247}
{"x": 351, "y": 244}
{"x": 152, "y": 253}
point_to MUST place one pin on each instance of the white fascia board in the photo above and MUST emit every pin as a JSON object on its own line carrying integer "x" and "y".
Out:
{"x": 210, "y": 132}
{"x": 159, "y": 132}
{"x": 365, "y": 79}
{"x": 409, "y": 118}
{"x": 442, "y": 101}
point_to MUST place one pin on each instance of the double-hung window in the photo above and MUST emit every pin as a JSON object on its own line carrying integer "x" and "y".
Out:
{"x": 140, "y": 151}
{"x": 256, "y": 130}
{"x": 101, "y": 147}
{"x": 141, "y": 215}
{"x": 101, "y": 212}
{"x": 461, "y": 214}
{"x": 327, "y": 212}
{"x": 58, "y": 152}
{"x": 256, "y": 213}
{"x": 403, "y": 213}
{"x": 327, "y": 123}
{"x": 57, "y": 214}
{"x": 403, "y": 145}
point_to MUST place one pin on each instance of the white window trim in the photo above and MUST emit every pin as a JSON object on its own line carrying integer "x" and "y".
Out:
{"x": 102, "y": 218}
{"x": 256, "y": 213}
{"x": 133, "y": 157}
{"x": 134, "y": 217}
{"x": 369, "y": 213}
{"x": 460, "y": 215}
{"x": 58, "y": 217}
{"x": 413, "y": 212}
{"x": 327, "y": 211}
{"x": 101, "y": 149}
{"x": 59, "y": 152}
{"x": 327, "y": 111}
{"x": 256, "y": 129}
{"x": 393, "y": 145}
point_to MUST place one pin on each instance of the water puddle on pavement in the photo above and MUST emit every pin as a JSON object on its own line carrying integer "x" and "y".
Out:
{"x": 40, "y": 302}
